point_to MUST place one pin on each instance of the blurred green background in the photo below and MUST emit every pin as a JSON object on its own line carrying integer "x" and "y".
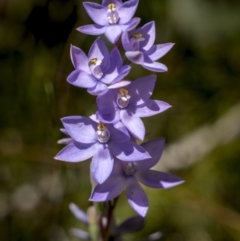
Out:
{"x": 202, "y": 129}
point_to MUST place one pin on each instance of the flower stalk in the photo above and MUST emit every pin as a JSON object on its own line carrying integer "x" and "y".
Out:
{"x": 111, "y": 207}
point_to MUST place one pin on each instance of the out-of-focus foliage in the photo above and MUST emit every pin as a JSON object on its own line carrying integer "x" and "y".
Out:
{"x": 202, "y": 84}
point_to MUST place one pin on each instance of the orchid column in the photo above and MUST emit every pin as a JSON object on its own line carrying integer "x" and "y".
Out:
{"x": 109, "y": 136}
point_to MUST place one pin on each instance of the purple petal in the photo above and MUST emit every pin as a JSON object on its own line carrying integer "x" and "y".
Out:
{"x": 155, "y": 66}
{"x": 76, "y": 152}
{"x": 133, "y": 123}
{"x": 117, "y": 2}
{"x": 128, "y": 151}
{"x": 148, "y": 31}
{"x": 94, "y": 118}
{"x": 157, "y": 51}
{"x": 109, "y": 118}
{"x": 117, "y": 169}
{"x": 152, "y": 107}
{"x": 131, "y": 225}
{"x": 137, "y": 197}
{"x": 112, "y": 33}
{"x": 100, "y": 51}
{"x": 98, "y": 89}
{"x": 118, "y": 132}
{"x": 81, "y": 79}
{"x": 136, "y": 57}
{"x": 102, "y": 163}
{"x": 126, "y": 42}
{"x": 96, "y": 12}
{"x": 155, "y": 149}
{"x": 117, "y": 71}
{"x": 78, "y": 213}
{"x": 156, "y": 179}
{"x": 116, "y": 75}
{"x": 119, "y": 84}
{"x": 81, "y": 129}
{"x": 127, "y": 10}
{"x": 122, "y": 73}
{"x": 141, "y": 89}
{"x": 116, "y": 57}
{"x": 79, "y": 59}
{"x": 106, "y": 102}
{"x": 108, "y": 190}
{"x": 131, "y": 24}
{"x": 92, "y": 29}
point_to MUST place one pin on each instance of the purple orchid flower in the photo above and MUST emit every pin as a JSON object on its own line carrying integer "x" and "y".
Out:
{"x": 139, "y": 47}
{"x": 100, "y": 141}
{"x": 111, "y": 18}
{"x": 129, "y": 103}
{"x": 98, "y": 69}
{"x": 128, "y": 174}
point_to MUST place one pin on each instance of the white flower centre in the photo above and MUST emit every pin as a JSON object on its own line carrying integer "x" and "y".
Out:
{"x": 123, "y": 98}
{"x": 112, "y": 15}
{"x": 129, "y": 168}
{"x": 94, "y": 66}
{"x": 103, "y": 133}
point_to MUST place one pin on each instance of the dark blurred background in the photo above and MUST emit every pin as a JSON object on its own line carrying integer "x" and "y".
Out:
{"x": 202, "y": 129}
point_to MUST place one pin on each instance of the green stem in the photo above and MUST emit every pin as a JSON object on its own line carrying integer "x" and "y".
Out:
{"x": 93, "y": 214}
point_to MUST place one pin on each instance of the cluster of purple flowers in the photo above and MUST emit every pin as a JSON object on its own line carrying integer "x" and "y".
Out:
{"x": 110, "y": 135}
